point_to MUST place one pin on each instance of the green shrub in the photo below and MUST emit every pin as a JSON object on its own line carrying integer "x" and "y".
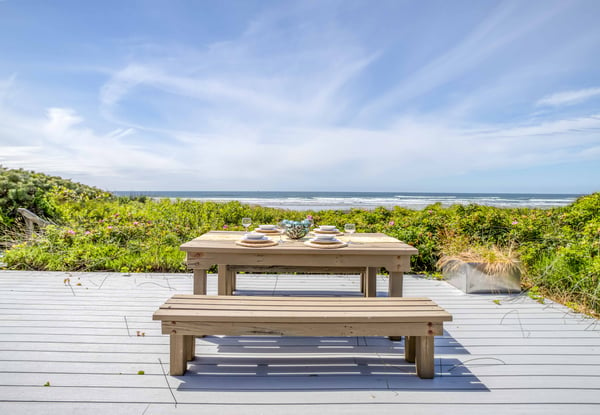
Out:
{"x": 559, "y": 248}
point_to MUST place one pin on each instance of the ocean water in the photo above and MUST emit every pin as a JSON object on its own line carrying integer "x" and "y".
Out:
{"x": 365, "y": 200}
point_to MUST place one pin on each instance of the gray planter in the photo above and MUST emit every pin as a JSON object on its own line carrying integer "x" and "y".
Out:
{"x": 469, "y": 277}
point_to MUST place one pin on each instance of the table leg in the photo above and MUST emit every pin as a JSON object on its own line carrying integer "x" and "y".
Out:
{"x": 223, "y": 277}
{"x": 371, "y": 282}
{"x": 199, "y": 282}
{"x": 233, "y": 277}
{"x": 395, "y": 284}
{"x": 231, "y": 281}
{"x": 362, "y": 282}
{"x": 395, "y": 290}
{"x": 410, "y": 346}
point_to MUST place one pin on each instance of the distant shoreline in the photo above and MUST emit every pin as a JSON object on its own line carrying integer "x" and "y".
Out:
{"x": 364, "y": 200}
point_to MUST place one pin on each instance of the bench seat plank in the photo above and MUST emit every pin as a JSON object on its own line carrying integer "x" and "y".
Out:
{"x": 300, "y": 329}
{"x": 256, "y": 298}
{"x": 306, "y": 316}
{"x": 186, "y": 316}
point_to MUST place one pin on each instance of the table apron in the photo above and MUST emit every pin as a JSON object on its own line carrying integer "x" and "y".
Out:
{"x": 392, "y": 263}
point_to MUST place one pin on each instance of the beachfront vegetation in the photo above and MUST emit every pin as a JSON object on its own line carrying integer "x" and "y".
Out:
{"x": 21, "y": 188}
{"x": 559, "y": 248}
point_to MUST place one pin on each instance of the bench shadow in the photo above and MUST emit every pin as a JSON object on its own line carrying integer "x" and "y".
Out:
{"x": 265, "y": 363}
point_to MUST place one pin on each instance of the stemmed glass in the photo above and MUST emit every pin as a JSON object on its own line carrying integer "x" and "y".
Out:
{"x": 246, "y": 222}
{"x": 282, "y": 226}
{"x": 310, "y": 221}
{"x": 349, "y": 228}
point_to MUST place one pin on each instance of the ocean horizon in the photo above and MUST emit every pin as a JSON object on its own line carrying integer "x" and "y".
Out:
{"x": 364, "y": 200}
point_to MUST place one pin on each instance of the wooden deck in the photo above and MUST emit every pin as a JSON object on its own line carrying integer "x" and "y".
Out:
{"x": 89, "y": 337}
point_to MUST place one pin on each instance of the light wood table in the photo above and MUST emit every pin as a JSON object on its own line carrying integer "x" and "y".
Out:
{"x": 364, "y": 255}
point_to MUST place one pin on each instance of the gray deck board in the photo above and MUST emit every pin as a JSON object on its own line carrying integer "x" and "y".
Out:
{"x": 517, "y": 356}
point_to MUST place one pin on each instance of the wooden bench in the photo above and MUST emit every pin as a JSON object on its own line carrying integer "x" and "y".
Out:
{"x": 32, "y": 219}
{"x": 186, "y": 316}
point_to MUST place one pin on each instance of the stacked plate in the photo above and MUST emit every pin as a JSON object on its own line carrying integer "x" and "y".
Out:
{"x": 326, "y": 230}
{"x": 256, "y": 239}
{"x": 325, "y": 240}
{"x": 267, "y": 229}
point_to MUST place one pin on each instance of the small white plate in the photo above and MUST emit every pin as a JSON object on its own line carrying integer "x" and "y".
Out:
{"x": 325, "y": 241}
{"x": 267, "y": 227}
{"x": 327, "y": 228}
{"x": 324, "y": 236}
{"x": 254, "y": 236}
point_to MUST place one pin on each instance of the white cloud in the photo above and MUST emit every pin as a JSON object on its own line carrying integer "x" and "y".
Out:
{"x": 60, "y": 143}
{"x": 273, "y": 109}
{"x": 569, "y": 97}
{"x": 291, "y": 157}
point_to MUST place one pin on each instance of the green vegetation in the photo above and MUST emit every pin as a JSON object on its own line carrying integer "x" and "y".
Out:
{"x": 559, "y": 249}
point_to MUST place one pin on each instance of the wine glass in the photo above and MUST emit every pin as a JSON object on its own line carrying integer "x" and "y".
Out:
{"x": 246, "y": 222}
{"x": 350, "y": 228}
{"x": 282, "y": 226}
{"x": 310, "y": 221}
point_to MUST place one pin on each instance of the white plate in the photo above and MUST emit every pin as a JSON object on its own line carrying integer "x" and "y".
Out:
{"x": 325, "y": 241}
{"x": 267, "y": 227}
{"x": 327, "y": 228}
{"x": 324, "y": 236}
{"x": 254, "y": 236}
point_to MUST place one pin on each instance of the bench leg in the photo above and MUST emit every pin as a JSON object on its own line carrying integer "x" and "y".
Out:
{"x": 190, "y": 347}
{"x": 410, "y": 348}
{"x": 424, "y": 357}
{"x": 199, "y": 282}
{"x": 178, "y": 355}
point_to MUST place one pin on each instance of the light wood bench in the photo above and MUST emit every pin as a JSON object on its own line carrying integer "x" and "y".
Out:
{"x": 186, "y": 316}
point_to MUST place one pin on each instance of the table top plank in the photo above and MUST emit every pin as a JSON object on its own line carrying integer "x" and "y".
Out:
{"x": 361, "y": 243}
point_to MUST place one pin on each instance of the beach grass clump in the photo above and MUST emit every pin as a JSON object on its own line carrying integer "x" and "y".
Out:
{"x": 492, "y": 260}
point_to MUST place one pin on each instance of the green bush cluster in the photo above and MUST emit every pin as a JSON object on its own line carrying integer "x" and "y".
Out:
{"x": 30, "y": 190}
{"x": 559, "y": 248}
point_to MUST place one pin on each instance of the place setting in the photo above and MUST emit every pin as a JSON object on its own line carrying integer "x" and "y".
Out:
{"x": 326, "y": 240}
{"x": 257, "y": 238}
{"x": 327, "y": 230}
{"x": 268, "y": 230}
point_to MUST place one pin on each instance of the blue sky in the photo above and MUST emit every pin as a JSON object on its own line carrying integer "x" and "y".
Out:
{"x": 446, "y": 96}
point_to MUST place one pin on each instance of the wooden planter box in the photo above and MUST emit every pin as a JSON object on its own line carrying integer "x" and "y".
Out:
{"x": 470, "y": 278}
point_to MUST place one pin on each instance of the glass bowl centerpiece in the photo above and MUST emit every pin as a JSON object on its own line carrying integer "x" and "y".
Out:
{"x": 296, "y": 229}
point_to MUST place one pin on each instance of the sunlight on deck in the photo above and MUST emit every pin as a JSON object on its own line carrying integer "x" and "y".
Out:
{"x": 88, "y": 335}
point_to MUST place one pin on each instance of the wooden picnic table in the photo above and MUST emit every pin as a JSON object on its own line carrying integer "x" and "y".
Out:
{"x": 366, "y": 253}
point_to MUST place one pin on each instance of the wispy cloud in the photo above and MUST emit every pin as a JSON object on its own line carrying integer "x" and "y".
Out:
{"x": 569, "y": 97}
{"x": 288, "y": 102}
{"x": 489, "y": 37}
{"x": 5, "y": 86}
